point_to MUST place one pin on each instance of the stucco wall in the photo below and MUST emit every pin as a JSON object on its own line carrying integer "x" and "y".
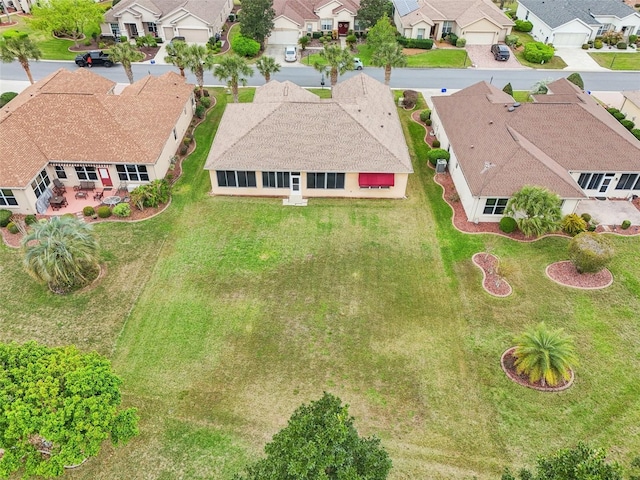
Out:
{"x": 631, "y": 110}
{"x": 26, "y": 201}
{"x": 171, "y": 145}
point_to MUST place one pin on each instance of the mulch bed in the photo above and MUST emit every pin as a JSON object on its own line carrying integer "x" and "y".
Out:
{"x": 492, "y": 282}
{"x": 507, "y": 361}
{"x": 428, "y": 138}
{"x": 565, "y": 273}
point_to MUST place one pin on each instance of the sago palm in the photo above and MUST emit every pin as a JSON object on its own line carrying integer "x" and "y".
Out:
{"x": 233, "y": 70}
{"x": 338, "y": 61}
{"x": 388, "y": 55}
{"x": 126, "y": 54}
{"x": 198, "y": 60}
{"x": 21, "y": 49}
{"x": 61, "y": 252}
{"x": 268, "y": 65}
{"x": 545, "y": 355}
{"x": 177, "y": 55}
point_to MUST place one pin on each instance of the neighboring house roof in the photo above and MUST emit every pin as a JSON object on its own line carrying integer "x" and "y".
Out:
{"x": 500, "y": 151}
{"x": 559, "y": 12}
{"x": 300, "y": 11}
{"x": 633, "y": 96}
{"x": 287, "y": 128}
{"x": 463, "y": 12}
{"x": 207, "y": 10}
{"x": 55, "y": 124}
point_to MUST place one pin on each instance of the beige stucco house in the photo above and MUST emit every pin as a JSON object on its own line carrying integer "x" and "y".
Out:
{"x": 631, "y": 106}
{"x": 196, "y": 20}
{"x": 290, "y": 143}
{"x": 480, "y": 22}
{"x": 497, "y": 146}
{"x": 73, "y": 127}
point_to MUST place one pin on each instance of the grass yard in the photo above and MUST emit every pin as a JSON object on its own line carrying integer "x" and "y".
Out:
{"x": 222, "y": 315}
{"x": 615, "y": 61}
{"x": 522, "y": 96}
{"x": 556, "y": 63}
{"x": 52, "y": 48}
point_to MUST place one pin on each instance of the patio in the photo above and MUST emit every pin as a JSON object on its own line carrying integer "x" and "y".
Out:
{"x": 74, "y": 204}
{"x": 610, "y": 212}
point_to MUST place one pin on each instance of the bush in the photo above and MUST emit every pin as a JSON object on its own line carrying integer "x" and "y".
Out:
{"x": 461, "y": 42}
{"x": 6, "y": 97}
{"x": 5, "y": 217}
{"x": 436, "y": 154}
{"x": 585, "y": 46}
{"x": 205, "y": 102}
{"x": 351, "y": 41}
{"x": 245, "y": 46}
{"x": 452, "y": 38}
{"x": 12, "y": 227}
{"x": 508, "y": 89}
{"x": 511, "y": 40}
{"x": 103, "y": 211}
{"x": 523, "y": 26}
{"x": 232, "y": 17}
{"x": 636, "y": 133}
{"x": 123, "y": 39}
{"x": 619, "y": 116}
{"x": 597, "y": 44}
{"x": 422, "y": 43}
{"x": 122, "y": 210}
{"x": 625, "y": 224}
{"x": 187, "y": 140}
{"x": 410, "y": 98}
{"x": 508, "y": 224}
{"x": 633, "y": 39}
{"x": 14, "y": 34}
{"x": 200, "y": 111}
{"x": 576, "y": 79}
{"x": 316, "y": 35}
{"x": 537, "y": 52}
{"x": 88, "y": 211}
{"x": 621, "y": 45}
{"x": 590, "y": 252}
{"x": 586, "y": 217}
{"x": 628, "y": 124}
{"x": 613, "y": 110}
{"x": 30, "y": 219}
{"x": 425, "y": 115}
{"x": 573, "y": 224}
{"x": 428, "y": 122}
{"x": 436, "y": 143}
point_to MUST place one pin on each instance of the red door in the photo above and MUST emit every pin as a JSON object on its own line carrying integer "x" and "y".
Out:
{"x": 104, "y": 177}
{"x": 343, "y": 28}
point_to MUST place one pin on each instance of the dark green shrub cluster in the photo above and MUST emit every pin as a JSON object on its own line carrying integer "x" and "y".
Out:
{"x": 625, "y": 224}
{"x": 436, "y": 154}
{"x": 30, "y": 219}
{"x": 205, "y": 102}
{"x": 5, "y": 217}
{"x": 14, "y": 34}
{"x": 573, "y": 224}
{"x": 6, "y": 97}
{"x": 461, "y": 42}
{"x": 621, "y": 45}
{"x": 88, "y": 211}
{"x": 508, "y": 89}
{"x": 636, "y": 133}
{"x": 511, "y": 40}
{"x": 576, "y": 79}
{"x": 628, "y": 124}
{"x": 245, "y": 46}
{"x": 633, "y": 39}
{"x": 422, "y": 43}
{"x": 586, "y": 217}
{"x": 538, "y": 52}
{"x": 436, "y": 143}
{"x": 590, "y": 252}
{"x": 523, "y": 26}
{"x": 103, "y": 211}
{"x": 452, "y": 38}
{"x": 425, "y": 115}
{"x": 200, "y": 111}
{"x": 508, "y": 224}
{"x": 410, "y": 98}
{"x": 428, "y": 122}
{"x": 585, "y": 46}
{"x": 12, "y": 227}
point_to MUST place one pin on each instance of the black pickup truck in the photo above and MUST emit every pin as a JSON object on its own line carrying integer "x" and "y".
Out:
{"x": 95, "y": 57}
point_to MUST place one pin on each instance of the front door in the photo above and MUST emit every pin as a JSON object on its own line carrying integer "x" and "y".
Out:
{"x": 105, "y": 177}
{"x": 295, "y": 183}
{"x": 343, "y": 28}
{"x": 132, "y": 29}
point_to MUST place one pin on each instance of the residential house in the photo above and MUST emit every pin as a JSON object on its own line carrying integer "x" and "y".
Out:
{"x": 195, "y": 20}
{"x": 564, "y": 141}
{"x": 289, "y": 142}
{"x": 18, "y": 5}
{"x": 572, "y": 23}
{"x": 72, "y": 126}
{"x": 480, "y": 22}
{"x": 295, "y": 18}
{"x": 631, "y": 106}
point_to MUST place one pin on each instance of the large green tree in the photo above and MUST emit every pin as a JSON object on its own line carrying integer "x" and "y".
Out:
{"x": 371, "y": 11}
{"x": 67, "y": 17}
{"x": 267, "y": 66}
{"x": 233, "y": 70}
{"x": 177, "y": 55}
{"x": 57, "y": 407}
{"x": 321, "y": 442}
{"x": 20, "y": 48}
{"x": 125, "y": 54}
{"x": 536, "y": 210}
{"x": 199, "y": 59}
{"x": 338, "y": 61}
{"x": 256, "y": 20}
{"x": 61, "y": 252}
{"x": 382, "y": 32}
{"x": 388, "y": 55}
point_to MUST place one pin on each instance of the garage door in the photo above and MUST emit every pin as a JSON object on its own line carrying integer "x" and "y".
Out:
{"x": 194, "y": 35}
{"x": 480, "y": 38}
{"x": 569, "y": 39}
{"x": 168, "y": 33}
{"x": 283, "y": 37}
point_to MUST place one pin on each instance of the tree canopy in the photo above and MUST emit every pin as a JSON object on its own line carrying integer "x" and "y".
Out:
{"x": 371, "y": 11}
{"x": 233, "y": 70}
{"x": 321, "y": 442}
{"x": 338, "y": 61}
{"x": 124, "y": 53}
{"x": 536, "y": 210}
{"x": 57, "y": 406}
{"x": 256, "y": 20}
{"x": 20, "y": 48}
{"x": 382, "y": 32}
{"x": 67, "y": 17}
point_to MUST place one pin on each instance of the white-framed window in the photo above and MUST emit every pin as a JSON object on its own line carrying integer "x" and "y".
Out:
{"x": 86, "y": 173}
{"x": 236, "y": 178}
{"x": 309, "y": 27}
{"x": 153, "y": 28}
{"x": 420, "y": 34}
{"x": 326, "y": 24}
{"x": 628, "y": 181}
{"x": 495, "y": 206}
{"x": 132, "y": 173}
{"x": 7, "y": 199}
{"x": 115, "y": 29}
{"x": 275, "y": 179}
{"x": 325, "y": 180}
{"x": 357, "y": 26}
{"x": 447, "y": 27}
{"x": 40, "y": 183}
{"x": 60, "y": 171}
{"x": 604, "y": 28}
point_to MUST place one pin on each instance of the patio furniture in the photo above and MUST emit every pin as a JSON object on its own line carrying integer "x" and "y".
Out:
{"x": 59, "y": 185}
{"x": 81, "y": 194}
{"x": 98, "y": 195}
{"x": 85, "y": 185}
{"x": 111, "y": 201}
{"x": 57, "y": 202}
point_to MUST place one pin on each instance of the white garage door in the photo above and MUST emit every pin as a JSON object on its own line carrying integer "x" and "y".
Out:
{"x": 480, "y": 38}
{"x": 194, "y": 35}
{"x": 168, "y": 33}
{"x": 569, "y": 39}
{"x": 283, "y": 37}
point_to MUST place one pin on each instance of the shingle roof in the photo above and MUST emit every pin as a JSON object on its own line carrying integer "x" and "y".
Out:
{"x": 63, "y": 126}
{"x": 535, "y": 144}
{"x": 207, "y": 10}
{"x": 301, "y": 10}
{"x": 558, "y": 12}
{"x": 358, "y": 130}
{"x": 463, "y": 12}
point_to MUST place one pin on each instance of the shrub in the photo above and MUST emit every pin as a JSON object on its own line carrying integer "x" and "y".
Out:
{"x": 633, "y": 39}
{"x": 597, "y": 44}
{"x": 30, "y": 219}
{"x": 508, "y": 89}
{"x": 351, "y": 41}
{"x": 511, "y": 40}
{"x": 187, "y": 140}
{"x": 621, "y": 45}
{"x": 5, "y": 217}
{"x": 461, "y": 42}
{"x": 586, "y": 217}
{"x": 200, "y": 111}
{"x": 508, "y": 224}
{"x": 410, "y": 98}
{"x": 245, "y": 46}
{"x": 68, "y": 215}
{"x": 573, "y": 224}
{"x": 6, "y": 97}
{"x": 613, "y": 110}
{"x": 537, "y": 52}
{"x": 152, "y": 194}
{"x": 636, "y": 133}
{"x": 205, "y": 102}
{"x": 428, "y": 122}
{"x": 87, "y": 42}
{"x": 585, "y": 46}
{"x": 590, "y": 252}
{"x": 436, "y": 143}
{"x": 122, "y": 210}
{"x": 625, "y": 224}
{"x": 316, "y": 35}
{"x": 619, "y": 116}
{"x": 88, "y": 211}
{"x": 628, "y": 124}
{"x": 14, "y": 34}
{"x": 523, "y": 26}
{"x": 422, "y": 43}
{"x": 436, "y": 154}
{"x": 12, "y": 227}
{"x": 123, "y": 39}
{"x": 183, "y": 149}
{"x": 576, "y": 79}
{"x": 452, "y": 38}
{"x": 425, "y": 115}
{"x": 103, "y": 211}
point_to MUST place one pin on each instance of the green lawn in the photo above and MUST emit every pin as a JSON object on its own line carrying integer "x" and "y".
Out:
{"x": 556, "y": 63}
{"x": 617, "y": 61}
{"x": 223, "y": 314}
{"x": 522, "y": 96}
{"x": 52, "y": 48}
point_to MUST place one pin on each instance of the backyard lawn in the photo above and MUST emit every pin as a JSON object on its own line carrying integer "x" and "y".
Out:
{"x": 617, "y": 61}
{"x": 223, "y": 314}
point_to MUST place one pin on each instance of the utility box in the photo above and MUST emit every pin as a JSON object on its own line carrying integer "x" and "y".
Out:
{"x": 441, "y": 165}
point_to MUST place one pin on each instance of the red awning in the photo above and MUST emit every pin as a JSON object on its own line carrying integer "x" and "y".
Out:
{"x": 376, "y": 180}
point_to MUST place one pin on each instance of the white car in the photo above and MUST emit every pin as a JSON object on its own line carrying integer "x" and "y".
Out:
{"x": 290, "y": 54}
{"x": 357, "y": 63}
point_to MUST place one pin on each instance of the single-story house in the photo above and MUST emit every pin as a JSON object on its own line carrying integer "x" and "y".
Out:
{"x": 73, "y": 127}
{"x": 195, "y": 20}
{"x": 564, "y": 141}
{"x": 572, "y": 23}
{"x": 480, "y": 22}
{"x": 631, "y": 106}
{"x": 19, "y": 5}
{"x": 295, "y": 18}
{"x": 290, "y": 143}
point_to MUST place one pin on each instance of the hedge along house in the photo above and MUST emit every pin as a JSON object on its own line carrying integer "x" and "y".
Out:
{"x": 73, "y": 127}
{"x": 290, "y": 143}
{"x": 564, "y": 141}
{"x": 480, "y": 22}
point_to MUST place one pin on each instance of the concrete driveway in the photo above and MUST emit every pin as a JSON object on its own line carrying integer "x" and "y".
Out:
{"x": 277, "y": 51}
{"x": 578, "y": 59}
{"x": 610, "y": 212}
{"x": 481, "y": 57}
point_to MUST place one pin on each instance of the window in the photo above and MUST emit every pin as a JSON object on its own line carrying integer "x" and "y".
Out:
{"x": 420, "y": 35}
{"x": 326, "y": 24}
{"x": 604, "y": 28}
{"x": 357, "y": 26}
{"x": 115, "y": 29}
{"x": 275, "y": 179}
{"x": 86, "y": 173}
{"x": 309, "y": 27}
{"x": 592, "y": 181}
{"x": 495, "y": 206}
{"x": 325, "y": 180}
{"x": 7, "y": 199}
{"x": 175, "y": 135}
{"x": 153, "y": 28}
{"x": 233, "y": 178}
{"x": 41, "y": 183}
{"x": 60, "y": 172}
{"x": 446, "y": 28}
{"x": 132, "y": 173}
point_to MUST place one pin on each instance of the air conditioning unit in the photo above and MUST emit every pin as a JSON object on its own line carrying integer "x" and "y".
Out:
{"x": 441, "y": 166}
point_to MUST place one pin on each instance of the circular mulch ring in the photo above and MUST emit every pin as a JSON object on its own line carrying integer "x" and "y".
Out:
{"x": 493, "y": 283}
{"x": 507, "y": 361}
{"x": 566, "y": 274}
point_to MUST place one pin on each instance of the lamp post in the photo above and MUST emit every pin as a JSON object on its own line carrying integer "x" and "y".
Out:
{"x": 322, "y": 81}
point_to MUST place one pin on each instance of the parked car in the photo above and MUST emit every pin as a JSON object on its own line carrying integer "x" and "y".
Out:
{"x": 500, "y": 52}
{"x": 95, "y": 57}
{"x": 357, "y": 64}
{"x": 290, "y": 54}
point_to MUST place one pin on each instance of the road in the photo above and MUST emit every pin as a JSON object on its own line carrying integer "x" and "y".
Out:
{"x": 521, "y": 79}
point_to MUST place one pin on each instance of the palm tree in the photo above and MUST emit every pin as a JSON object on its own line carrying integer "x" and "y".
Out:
{"x": 545, "y": 355}
{"x": 124, "y": 53}
{"x": 233, "y": 69}
{"x": 536, "y": 210}
{"x": 338, "y": 61}
{"x": 198, "y": 60}
{"x": 177, "y": 55}
{"x": 62, "y": 252}
{"x": 268, "y": 65}
{"x": 388, "y": 55}
{"x": 21, "y": 49}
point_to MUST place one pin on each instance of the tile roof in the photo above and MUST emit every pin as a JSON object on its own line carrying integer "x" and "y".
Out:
{"x": 301, "y": 10}
{"x": 499, "y": 151}
{"x": 356, "y": 131}
{"x": 463, "y": 12}
{"x": 559, "y": 12}
{"x": 84, "y": 128}
{"x": 207, "y": 10}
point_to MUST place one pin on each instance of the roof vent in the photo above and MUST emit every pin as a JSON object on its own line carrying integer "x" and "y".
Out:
{"x": 510, "y": 109}
{"x": 490, "y": 122}
{"x": 487, "y": 166}
{"x": 517, "y": 104}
